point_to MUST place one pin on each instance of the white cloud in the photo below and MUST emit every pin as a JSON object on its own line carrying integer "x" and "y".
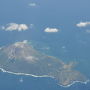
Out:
{"x": 15, "y": 27}
{"x": 32, "y": 4}
{"x": 51, "y": 30}
{"x": 83, "y": 24}
{"x": 21, "y": 44}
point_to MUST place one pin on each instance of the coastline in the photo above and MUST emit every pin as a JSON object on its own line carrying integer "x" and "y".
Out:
{"x": 74, "y": 82}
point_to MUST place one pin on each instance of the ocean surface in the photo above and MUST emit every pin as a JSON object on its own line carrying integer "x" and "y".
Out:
{"x": 9, "y": 81}
{"x": 69, "y": 44}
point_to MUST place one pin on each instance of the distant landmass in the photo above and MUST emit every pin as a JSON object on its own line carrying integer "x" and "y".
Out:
{"x": 21, "y": 57}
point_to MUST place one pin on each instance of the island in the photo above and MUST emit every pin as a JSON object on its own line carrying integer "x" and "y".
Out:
{"x": 23, "y": 58}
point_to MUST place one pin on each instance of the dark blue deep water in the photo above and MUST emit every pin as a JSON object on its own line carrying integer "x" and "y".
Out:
{"x": 69, "y": 44}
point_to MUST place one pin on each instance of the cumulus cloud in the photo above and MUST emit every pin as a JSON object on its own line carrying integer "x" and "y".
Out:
{"x": 51, "y": 30}
{"x": 83, "y": 24}
{"x": 15, "y": 27}
{"x": 21, "y": 44}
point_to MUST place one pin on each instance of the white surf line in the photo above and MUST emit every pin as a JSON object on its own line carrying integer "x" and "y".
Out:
{"x": 74, "y": 82}
{"x": 44, "y": 76}
{"x": 24, "y": 73}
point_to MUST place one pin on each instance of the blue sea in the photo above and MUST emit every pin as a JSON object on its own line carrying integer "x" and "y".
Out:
{"x": 69, "y": 44}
